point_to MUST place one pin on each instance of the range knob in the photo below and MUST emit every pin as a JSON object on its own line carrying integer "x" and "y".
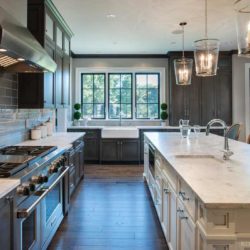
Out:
{"x": 45, "y": 178}
{"x": 37, "y": 179}
{"x": 53, "y": 169}
{"x": 32, "y": 187}
{"x": 23, "y": 190}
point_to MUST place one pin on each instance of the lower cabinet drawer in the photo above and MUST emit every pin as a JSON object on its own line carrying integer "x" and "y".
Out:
{"x": 170, "y": 173}
{"x": 187, "y": 196}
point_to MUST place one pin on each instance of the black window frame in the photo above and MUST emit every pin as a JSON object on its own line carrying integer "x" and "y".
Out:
{"x": 147, "y": 73}
{"x": 132, "y": 111}
{"x": 93, "y": 74}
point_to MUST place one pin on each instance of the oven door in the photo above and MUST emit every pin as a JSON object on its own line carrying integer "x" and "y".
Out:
{"x": 51, "y": 213}
{"x": 27, "y": 230}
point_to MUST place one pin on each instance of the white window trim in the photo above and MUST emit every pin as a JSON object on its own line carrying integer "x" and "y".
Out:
{"x": 106, "y": 70}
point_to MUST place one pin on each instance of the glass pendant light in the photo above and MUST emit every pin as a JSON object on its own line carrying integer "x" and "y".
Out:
{"x": 206, "y": 53}
{"x": 183, "y": 66}
{"x": 242, "y": 8}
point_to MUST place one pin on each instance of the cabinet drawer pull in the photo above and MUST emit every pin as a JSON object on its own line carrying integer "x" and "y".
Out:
{"x": 180, "y": 210}
{"x": 183, "y": 217}
{"x": 183, "y": 196}
{"x": 166, "y": 191}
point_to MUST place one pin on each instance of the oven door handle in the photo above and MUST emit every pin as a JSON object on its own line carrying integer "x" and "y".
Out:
{"x": 24, "y": 213}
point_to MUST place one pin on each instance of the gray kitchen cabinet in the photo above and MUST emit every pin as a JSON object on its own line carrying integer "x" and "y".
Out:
{"x": 120, "y": 150}
{"x": 6, "y": 218}
{"x": 91, "y": 144}
{"x": 206, "y": 98}
{"x": 76, "y": 164}
{"x": 110, "y": 150}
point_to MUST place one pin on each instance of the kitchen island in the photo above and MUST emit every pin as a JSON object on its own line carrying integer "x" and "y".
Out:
{"x": 203, "y": 201}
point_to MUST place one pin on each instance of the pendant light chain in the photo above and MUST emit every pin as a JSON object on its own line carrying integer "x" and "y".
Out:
{"x": 182, "y": 41}
{"x": 205, "y": 18}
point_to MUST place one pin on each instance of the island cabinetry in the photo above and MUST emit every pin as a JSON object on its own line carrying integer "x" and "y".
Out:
{"x": 186, "y": 228}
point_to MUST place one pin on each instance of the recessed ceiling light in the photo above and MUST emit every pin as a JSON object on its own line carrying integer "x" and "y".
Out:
{"x": 20, "y": 59}
{"x": 111, "y": 16}
{"x": 3, "y": 50}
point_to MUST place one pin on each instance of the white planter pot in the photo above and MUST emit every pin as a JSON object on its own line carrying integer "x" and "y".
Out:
{"x": 163, "y": 123}
{"x": 76, "y": 123}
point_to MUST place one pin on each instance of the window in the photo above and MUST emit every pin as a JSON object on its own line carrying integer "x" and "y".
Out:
{"x": 93, "y": 95}
{"x": 147, "y": 95}
{"x": 120, "y": 95}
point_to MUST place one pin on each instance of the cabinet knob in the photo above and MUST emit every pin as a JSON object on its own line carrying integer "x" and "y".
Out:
{"x": 166, "y": 190}
{"x": 183, "y": 196}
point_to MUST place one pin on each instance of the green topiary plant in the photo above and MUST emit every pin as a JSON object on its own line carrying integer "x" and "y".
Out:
{"x": 77, "y": 114}
{"x": 164, "y": 106}
{"x": 164, "y": 113}
{"x": 77, "y": 106}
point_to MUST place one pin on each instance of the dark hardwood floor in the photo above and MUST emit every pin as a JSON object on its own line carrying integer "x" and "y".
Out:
{"x": 111, "y": 209}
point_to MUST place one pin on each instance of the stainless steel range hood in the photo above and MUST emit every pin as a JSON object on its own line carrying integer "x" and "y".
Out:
{"x": 19, "y": 50}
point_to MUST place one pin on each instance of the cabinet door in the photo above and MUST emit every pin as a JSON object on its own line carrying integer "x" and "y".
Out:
{"x": 49, "y": 26}
{"x": 49, "y": 97}
{"x": 166, "y": 209}
{"x": 66, "y": 81}
{"x": 130, "y": 150}
{"x": 208, "y": 97}
{"x": 66, "y": 45}
{"x": 59, "y": 78}
{"x": 192, "y": 100}
{"x": 6, "y": 225}
{"x": 172, "y": 241}
{"x": 185, "y": 229}
{"x": 91, "y": 149}
{"x": 59, "y": 38}
{"x": 223, "y": 92}
{"x": 110, "y": 150}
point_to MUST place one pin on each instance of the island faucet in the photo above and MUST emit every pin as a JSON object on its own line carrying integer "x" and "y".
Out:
{"x": 226, "y": 152}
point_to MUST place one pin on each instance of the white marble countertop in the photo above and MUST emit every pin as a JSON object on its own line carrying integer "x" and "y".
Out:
{"x": 7, "y": 185}
{"x": 216, "y": 182}
{"x": 60, "y": 139}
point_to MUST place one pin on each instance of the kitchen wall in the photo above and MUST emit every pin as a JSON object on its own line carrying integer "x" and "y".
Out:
{"x": 16, "y": 123}
{"x": 238, "y": 90}
{"x": 118, "y": 63}
{"x": 17, "y": 8}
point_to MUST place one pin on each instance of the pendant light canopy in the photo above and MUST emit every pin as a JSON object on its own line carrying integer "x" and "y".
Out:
{"x": 183, "y": 66}
{"x": 242, "y": 8}
{"x": 206, "y": 53}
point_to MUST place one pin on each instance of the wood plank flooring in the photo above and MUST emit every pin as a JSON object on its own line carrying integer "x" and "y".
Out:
{"x": 111, "y": 210}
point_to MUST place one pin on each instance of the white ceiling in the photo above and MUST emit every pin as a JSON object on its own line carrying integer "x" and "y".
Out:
{"x": 145, "y": 26}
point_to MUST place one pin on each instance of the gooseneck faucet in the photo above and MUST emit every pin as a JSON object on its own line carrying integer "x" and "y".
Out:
{"x": 226, "y": 152}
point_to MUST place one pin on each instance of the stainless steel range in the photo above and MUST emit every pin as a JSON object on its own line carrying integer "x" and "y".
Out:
{"x": 41, "y": 198}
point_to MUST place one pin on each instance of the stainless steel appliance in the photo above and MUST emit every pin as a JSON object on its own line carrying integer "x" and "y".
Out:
{"x": 42, "y": 195}
{"x": 19, "y": 50}
{"x": 151, "y": 155}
